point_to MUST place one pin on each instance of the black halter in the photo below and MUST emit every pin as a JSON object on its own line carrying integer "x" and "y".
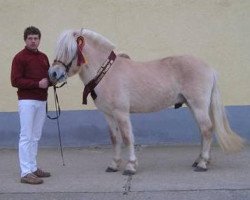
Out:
{"x": 68, "y": 66}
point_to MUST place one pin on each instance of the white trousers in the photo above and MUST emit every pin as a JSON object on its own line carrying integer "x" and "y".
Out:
{"x": 32, "y": 115}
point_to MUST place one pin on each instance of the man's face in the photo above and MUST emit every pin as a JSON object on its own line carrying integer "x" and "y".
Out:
{"x": 32, "y": 42}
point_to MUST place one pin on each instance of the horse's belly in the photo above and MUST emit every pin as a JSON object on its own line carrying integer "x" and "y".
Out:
{"x": 153, "y": 104}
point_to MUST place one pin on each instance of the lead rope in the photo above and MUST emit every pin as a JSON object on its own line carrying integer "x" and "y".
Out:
{"x": 58, "y": 113}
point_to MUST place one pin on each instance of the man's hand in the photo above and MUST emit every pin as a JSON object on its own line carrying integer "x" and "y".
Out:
{"x": 44, "y": 83}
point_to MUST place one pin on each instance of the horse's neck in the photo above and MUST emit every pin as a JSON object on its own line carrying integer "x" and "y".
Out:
{"x": 95, "y": 58}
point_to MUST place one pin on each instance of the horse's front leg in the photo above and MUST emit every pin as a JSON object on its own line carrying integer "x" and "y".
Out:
{"x": 116, "y": 141}
{"x": 124, "y": 124}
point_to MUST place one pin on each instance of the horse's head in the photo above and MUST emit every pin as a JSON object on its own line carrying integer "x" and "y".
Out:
{"x": 69, "y": 58}
{"x": 71, "y": 46}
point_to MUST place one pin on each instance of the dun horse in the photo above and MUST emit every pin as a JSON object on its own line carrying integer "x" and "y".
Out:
{"x": 120, "y": 86}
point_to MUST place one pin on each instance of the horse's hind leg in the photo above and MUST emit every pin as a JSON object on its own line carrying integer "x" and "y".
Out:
{"x": 116, "y": 141}
{"x": 201, "y": 114}
{"x": 125, "y": 128}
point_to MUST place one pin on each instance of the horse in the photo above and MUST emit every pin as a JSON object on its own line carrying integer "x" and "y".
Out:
{"x": 120, "y": 86}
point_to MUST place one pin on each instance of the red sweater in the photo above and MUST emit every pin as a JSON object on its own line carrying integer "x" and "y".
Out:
{"x": 28, "y": 68}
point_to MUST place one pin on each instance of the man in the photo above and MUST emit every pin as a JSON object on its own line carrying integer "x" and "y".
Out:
{"x": 29, "y": 74}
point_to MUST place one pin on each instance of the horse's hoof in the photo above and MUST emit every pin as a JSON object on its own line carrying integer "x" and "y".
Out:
{"x": 128, "y": 173}
{"x": 200, "y": 169}
{"x": 195, "y": 164}
{"x": 109, "y": 169}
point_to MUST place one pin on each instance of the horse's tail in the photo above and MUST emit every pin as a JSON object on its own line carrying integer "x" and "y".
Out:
{"x": 226, "y": 137}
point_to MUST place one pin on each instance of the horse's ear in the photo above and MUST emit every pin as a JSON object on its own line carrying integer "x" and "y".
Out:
{"x": 80, "y": 41}
{"x": 80, "y": 44}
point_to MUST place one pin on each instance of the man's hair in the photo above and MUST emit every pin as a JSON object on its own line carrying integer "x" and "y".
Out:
{"x": 31, "y": 30}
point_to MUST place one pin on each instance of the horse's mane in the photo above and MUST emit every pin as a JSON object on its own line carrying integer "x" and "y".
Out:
{"x": 97, "y": 38}
{"x": 66, "y": 44}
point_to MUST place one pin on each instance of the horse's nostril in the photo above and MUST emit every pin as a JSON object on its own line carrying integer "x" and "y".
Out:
{"x": 54, "y": 74}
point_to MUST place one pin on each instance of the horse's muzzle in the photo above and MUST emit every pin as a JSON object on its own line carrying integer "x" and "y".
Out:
{"x": 56, "y": 76}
